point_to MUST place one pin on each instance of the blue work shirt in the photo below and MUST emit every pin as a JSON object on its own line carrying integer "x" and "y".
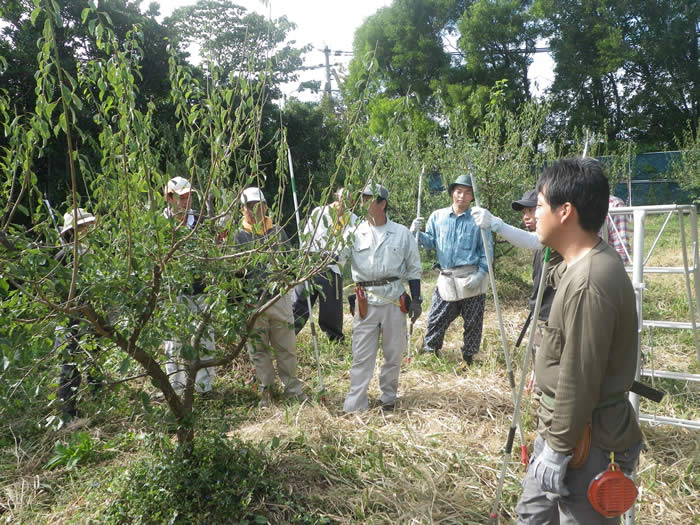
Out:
{"x": 456, "y": 238}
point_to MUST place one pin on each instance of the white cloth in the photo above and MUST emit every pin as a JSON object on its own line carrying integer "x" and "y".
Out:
{"x": 456, "y": 284}
{"x": 175, "y": 365}
{"x": 388, "y": 321}
{"x": 320, "y": 226}
{"x": 380, "y": 252}
{"x": 191, "y": 219}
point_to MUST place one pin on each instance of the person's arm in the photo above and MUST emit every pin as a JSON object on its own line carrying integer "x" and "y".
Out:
{"x": 520, "y": 238}
{"x": 427, "y": 238}
{"x": 517, "y": 237}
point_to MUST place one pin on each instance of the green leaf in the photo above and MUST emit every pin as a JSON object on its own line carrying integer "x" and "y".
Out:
{"x": 146, "y": 401}
{"x": 35, "y": 14}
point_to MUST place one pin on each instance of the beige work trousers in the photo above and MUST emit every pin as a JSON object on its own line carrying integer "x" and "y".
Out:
{"x": 274, "y": 330}
{"x": 388, "y": 321}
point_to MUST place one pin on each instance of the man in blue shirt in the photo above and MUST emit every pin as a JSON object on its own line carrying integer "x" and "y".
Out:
{"x": 462, "y": 283}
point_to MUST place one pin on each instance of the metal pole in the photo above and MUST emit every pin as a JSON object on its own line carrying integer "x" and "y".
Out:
{"x": 493, "y": 517}
{"x": 638, "y": 284}
{"x": 306, "y": 283}
{"x": 504, "y": 341}
{"x": 420, "y": 192}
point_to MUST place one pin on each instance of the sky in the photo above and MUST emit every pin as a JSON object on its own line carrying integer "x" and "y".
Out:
{"x": 333, "y": 23}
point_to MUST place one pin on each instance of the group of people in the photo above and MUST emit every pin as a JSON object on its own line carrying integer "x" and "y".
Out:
{"x": 586, "y": 331}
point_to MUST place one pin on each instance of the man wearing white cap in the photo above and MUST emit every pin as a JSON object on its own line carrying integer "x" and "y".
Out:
{"x": 274, "y": 328}
{"x": 75, "y": 223}
{"x": 383, "y": 254}
{"x": 178, "y": 194}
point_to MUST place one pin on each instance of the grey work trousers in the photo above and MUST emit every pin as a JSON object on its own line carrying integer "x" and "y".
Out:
{"x": 534, "y": 508}
{"x": 274, "y": 330}
{"x": 388, "y": 321}
{"x": 175, "y": 365}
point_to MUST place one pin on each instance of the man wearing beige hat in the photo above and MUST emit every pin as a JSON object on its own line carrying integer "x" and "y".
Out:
{"x": 382, "y": 255}
{"x": 274, "y": 329}
{"x": 178, "y": 194}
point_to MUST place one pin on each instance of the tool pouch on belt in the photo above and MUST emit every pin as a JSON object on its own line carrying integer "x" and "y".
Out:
{"x": 582, "y": 448}
{"x": 351, "y": 303}
{"x": 361, "y": 301}
{"x": 404, "y": 302}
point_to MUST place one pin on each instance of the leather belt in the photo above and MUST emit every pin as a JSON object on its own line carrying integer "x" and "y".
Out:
{"x": 379, "y": 282}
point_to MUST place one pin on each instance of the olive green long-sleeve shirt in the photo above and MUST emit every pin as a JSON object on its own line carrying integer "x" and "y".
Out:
{"x": 588, "y": 355}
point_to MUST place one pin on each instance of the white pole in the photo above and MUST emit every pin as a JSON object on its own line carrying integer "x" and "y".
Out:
{"x": 306, "y": 283}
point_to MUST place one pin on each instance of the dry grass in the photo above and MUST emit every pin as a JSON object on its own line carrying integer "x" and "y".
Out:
{"x": 437, "y": 458}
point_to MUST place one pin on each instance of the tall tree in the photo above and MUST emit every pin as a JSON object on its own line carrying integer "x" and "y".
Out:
{"x": 239, "y": 42}
{"x": 628, "y": 66}
{"x": 497, "y": 39}
{"x": 405, "y": 41}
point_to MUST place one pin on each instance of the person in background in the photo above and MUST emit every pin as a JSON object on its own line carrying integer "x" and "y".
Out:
{"x": 527, "y": 205}
{"x": 462, "y": 284}
{"x": 178, "y": 195}
{"x": 615, "y": 231}
{"x": 76, "y": 224}
{"x": 274, "y": 328}
{"x": 322, "y": 228}
{"x": 382, "y": 255}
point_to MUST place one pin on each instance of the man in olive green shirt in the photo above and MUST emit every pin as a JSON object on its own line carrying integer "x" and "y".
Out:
{"x": 587, "y": 361}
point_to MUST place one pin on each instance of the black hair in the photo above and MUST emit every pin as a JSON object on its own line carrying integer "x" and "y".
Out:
{"x": 582, "y": 182}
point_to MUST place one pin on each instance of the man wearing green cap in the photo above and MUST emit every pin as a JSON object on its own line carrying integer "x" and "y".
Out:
{"x": 462, "y": 283}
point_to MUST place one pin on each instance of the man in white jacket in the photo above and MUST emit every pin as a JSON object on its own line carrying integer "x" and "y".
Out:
{"x": 325, "y": 233}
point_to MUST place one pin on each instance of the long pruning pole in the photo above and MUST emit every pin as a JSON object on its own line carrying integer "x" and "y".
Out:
{"x": 306, "y": 283}
{"x": 420, "y": 192}
{"x": 504, "y": 341}
{"x": 493, "y": 517}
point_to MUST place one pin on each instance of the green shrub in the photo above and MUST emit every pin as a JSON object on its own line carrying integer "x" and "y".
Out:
{"x": 219, "y": 481}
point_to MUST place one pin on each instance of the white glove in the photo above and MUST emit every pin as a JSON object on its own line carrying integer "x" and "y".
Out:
{"x": 484, "y": 220}
{"x": 475, "y": 280}
{"x": 549, "y": 469}
{"x": 416, "y": 225}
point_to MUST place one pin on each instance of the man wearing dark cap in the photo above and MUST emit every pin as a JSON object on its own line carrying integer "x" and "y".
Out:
{"x": 382, "y": 255}
{"x": 524, "y": 239}
{"x": 461, "y": 286}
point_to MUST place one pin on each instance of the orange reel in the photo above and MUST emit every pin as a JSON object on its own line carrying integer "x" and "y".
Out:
{"x": 611, "y": 492}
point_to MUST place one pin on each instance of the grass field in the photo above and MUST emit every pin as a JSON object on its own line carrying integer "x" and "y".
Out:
{"x": 435, "y": 459}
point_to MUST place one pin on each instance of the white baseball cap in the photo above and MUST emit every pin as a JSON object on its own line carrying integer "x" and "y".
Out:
{"x": 252, "y": 195}
{"x": 179, "y": 185}
{"x": 83, "y": 218}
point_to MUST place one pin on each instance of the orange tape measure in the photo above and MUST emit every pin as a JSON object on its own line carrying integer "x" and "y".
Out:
{"x": 612, "y": 492}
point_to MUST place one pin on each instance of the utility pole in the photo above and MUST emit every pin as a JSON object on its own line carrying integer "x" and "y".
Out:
{"x": 327, "y": 53}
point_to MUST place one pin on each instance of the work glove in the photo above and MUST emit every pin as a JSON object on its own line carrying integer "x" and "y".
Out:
{"x": 475, "y": 280}
{"x": 414, "y": 310}
{"x": 484, "y": 220}
{"x": 416, "y": 225}
{"x": 549, "y": 469}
